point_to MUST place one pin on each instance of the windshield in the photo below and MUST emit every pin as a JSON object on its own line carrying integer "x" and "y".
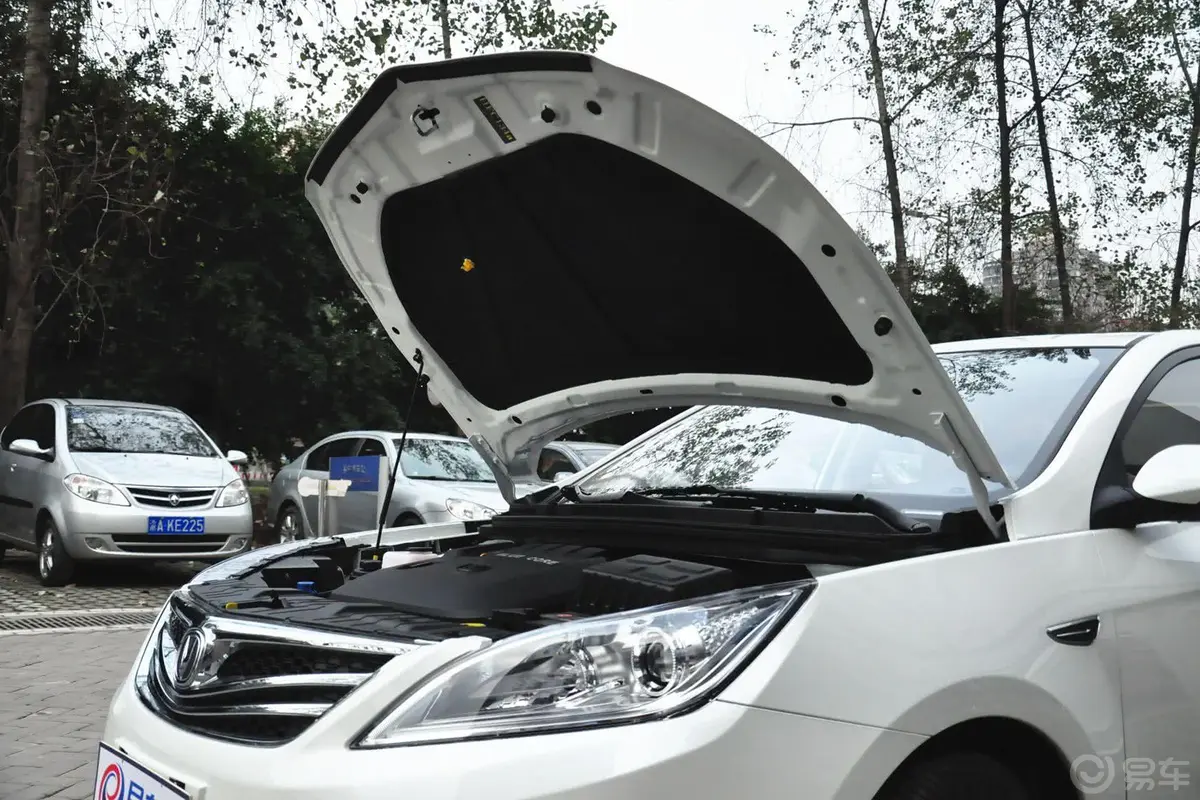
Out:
{"x": 443, "y": 460}
{"x": 590, "y": 454}
{"x": 117, "y": 429}
{"x": 1023, "y": 401}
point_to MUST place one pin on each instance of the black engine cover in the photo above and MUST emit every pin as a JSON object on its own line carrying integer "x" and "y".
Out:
{"x": 466, "y": 587}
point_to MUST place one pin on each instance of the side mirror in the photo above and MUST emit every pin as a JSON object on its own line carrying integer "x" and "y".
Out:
{"x": 28, "y": 447}
{"x": 236, "y": 457}
{"x": 1171, "y": 475}
{"x": 558, "y": 476}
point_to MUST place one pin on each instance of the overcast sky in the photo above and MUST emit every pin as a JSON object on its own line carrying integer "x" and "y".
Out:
{"x": 710, "y": 50}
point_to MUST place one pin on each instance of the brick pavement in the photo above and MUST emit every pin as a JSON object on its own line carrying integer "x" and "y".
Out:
{"x": 115, "y": 586}
{"x": 54, "y": 694}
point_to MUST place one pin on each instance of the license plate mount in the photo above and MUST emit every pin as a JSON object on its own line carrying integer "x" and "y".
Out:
{"x": 119, "y": 777}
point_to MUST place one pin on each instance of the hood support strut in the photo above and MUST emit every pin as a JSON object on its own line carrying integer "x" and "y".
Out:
{"x": 504, "y": 481}
{"x": 979, "y": 491}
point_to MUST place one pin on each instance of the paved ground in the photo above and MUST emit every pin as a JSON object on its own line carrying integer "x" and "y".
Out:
{"x": 55, "y": 687}
{"x": 54, "y": 695}
{"x": 109, "y": 587}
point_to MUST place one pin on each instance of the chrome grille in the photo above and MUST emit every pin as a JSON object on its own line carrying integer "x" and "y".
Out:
{"x": 251, "y": 682}
{"x": 157, "y": 497}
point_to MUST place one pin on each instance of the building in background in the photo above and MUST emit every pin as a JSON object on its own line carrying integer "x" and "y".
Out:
{"x": 1091, "y": 277}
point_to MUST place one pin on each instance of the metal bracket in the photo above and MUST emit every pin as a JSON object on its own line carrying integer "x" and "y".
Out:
{"x": 426, "y": 115}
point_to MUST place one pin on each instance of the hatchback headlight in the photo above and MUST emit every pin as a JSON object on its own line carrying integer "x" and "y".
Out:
{"x": 234, "y": 494}
{"x": 468, "y": 510}
{"x": 620, "y": 668}
{"x": 94, "y": 489}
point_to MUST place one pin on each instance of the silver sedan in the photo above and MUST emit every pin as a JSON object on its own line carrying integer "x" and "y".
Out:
{"x": 441, "y": 479}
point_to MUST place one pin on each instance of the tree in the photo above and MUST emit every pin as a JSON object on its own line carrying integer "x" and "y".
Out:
{"x": 1027, "y": 9}
{"x": 89, "y": 161}
{"x": 897, "y": 71}
{"x": 23, "y": 239}
{"x": 1143, "y": 85}
{"x": 103, "y": 158}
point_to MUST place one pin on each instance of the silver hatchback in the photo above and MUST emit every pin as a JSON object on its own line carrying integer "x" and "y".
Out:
{"x": 94, "y": 480}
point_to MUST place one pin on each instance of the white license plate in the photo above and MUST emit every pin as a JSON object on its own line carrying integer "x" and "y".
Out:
{"x": 121, "y": 778}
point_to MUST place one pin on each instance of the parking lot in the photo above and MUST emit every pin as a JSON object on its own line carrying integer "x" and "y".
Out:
{"x": 62, "y": 654}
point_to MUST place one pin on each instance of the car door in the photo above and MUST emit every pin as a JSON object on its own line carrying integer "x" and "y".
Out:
{"x": 317, "y": 466}
{"x": 357, "y": 511}
{"x": 1153, "y": 590}
{"x": 26, "y": 478}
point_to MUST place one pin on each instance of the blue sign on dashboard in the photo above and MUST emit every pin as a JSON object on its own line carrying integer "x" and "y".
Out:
{"x": 361, "y": 471}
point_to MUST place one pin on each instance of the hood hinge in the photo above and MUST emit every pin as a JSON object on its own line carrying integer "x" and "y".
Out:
{"x": 504, "y": 480}
{"x": 978, "y": 490}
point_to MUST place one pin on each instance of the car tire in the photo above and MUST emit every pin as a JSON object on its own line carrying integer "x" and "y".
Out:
{"x": 957, "y": 776}
{"x": 406, "y": 520}
{"x": 289, "y": 525}
{"x": 55, "y": 565}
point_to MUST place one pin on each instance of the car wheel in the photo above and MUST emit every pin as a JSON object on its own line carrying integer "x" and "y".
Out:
{"x": 289, "y": 526}
{"x": 957, "y": 776}
{"x": 405, "y": 520}
{"x": 55, "y": 565}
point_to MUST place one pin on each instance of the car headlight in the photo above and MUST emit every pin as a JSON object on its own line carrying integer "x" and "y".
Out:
{"x": 234, "y": 494}
{"x": 94, "y": 489}
{"x": 620, "y": 668}
{"x": 468, "y": 510}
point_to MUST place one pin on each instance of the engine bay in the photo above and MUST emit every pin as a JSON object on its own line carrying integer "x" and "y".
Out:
{"x": 494, "y": 588}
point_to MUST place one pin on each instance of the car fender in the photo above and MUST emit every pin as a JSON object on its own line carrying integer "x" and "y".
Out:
{"x": 920, "y": 645}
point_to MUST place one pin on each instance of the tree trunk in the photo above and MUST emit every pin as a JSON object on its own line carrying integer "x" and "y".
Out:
{"x": 27, "y": 252}
{"x": 1056, "y": 227}
{"x": 444, "y": 12}
{"x": 1185, "y": 212}
{"x": 903, "y": 273}
{"x": 1008, "y": 292}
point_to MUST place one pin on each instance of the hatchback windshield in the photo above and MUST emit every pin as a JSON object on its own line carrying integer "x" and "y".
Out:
{"x": 117, "y": 429}
{"x": 443, "y": 460}
{"x": 1023, "y": 401}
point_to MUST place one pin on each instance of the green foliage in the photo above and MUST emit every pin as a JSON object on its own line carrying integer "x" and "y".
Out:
{"x": 242, "y": 314}
{"x": 183, "y": 264}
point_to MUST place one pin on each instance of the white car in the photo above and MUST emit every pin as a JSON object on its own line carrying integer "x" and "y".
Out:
{"x": 863, "y": 567}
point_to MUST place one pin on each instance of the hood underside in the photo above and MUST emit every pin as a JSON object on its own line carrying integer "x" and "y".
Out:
{"x": 561, "y": 241}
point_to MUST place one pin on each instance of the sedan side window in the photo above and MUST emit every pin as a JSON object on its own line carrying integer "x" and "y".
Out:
{"x": 372, "y": 447}
{"x": 318, "y": 459}
{"x": 552, "y": 462}
{"x": 1169, "y": 416}
{"x": 44, "y": 424}
{"x": 23, "y": 426}
{"x": 338, "y": 448}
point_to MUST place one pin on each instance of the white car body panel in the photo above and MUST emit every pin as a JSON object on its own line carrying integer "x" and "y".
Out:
{"x": 877, "y": 661}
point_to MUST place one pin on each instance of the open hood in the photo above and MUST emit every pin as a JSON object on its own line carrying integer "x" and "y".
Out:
{"x": 554, "y": 240}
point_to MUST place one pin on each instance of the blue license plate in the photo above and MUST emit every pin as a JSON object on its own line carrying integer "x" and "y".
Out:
{"x": 168, "y": 526}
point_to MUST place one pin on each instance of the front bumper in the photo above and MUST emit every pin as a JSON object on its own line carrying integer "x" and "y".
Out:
{"x": 94, "y": 531}
{"x": 719, "y": 750}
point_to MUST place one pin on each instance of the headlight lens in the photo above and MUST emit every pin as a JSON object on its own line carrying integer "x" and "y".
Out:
{"x": 468, "y": 510}
{"x": 94, "y": 489}
{"x": 620, "y": 668}
{"x": 234, "y": 494}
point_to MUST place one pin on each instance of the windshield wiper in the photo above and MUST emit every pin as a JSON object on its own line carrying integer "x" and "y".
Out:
{"x": 839, "y": 502}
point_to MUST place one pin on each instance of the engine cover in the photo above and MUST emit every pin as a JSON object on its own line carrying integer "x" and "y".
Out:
{"x": 467, "y": 587}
